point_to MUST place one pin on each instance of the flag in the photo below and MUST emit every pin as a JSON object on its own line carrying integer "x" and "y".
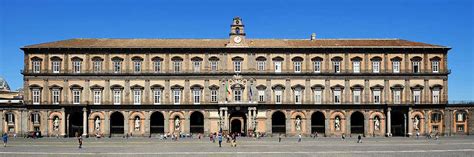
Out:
{"x": 250, "y": 94}
{"x": 227, "y": 89}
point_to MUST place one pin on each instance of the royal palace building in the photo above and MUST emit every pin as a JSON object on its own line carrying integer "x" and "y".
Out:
{"x": 148, "y": 87}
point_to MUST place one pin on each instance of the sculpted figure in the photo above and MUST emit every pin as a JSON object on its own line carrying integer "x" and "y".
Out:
{"x": 137, "y": 124}
{"x": 416, "y": 122}
{"x": 337, "y": 124}
{"x": 97, "y": 124}
{"x": 56, "y": 124}
{"x": 176, "y": 123}
{"x": 376, "y": 123}
{"x": 298, "y": 124}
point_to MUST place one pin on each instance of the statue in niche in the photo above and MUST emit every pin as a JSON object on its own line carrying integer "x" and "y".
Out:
{"x": 337, "y": 124}
{"x": 137, "y": 124}
{"x": 376, "y": 123}
{"x": 298, "y": 124}
{"x": 416, "y": 123}
{"x": 176, "y": 123}
{"x": 97, "y": 124}
{"x": 56, "y": 124}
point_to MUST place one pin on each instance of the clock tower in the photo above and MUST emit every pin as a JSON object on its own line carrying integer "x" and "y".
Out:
{"x": 237, "y": 33}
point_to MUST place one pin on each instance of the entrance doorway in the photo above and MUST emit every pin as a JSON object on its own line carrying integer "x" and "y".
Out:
{"x": 357, "y": 123}
{"x": 197, "y": 122}
{"x": 318, "y": 123}
{"x": 398, "y": 123}
{"x": 75, "y": 124}
{"x": 238, "y": 123}
{"x": 278, "y": 122}
{"x": 116, "y": 123}
{"x": 157, "y": 123}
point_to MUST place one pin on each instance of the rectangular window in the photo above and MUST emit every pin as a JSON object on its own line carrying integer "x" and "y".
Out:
{"x": 416, "y": 67}
{"x": 337, "y": 96}
{"x": 55, "y": 96}
{"x": 10, "y": 118}
{"x": 317, "y": 66}
{"x": 197, "y": 96}
{"x": 297, "y": 67}
{"x": 435, "y": 66}
{"x": 137, "y": 97}
{"x": 36, "y": 96}
{"x": 376, "y": 66}
{"x": 177, "y": 96}
{"x": 36, "y": 66}
{"x": 318, "y": 96}
{"x": 157, "y": 66}
{"x": 56, "y": 66}
{"x": 213, "y": 66}
{"x": 76, "y": 66}
{"x": 261, "y": 65}
{"x": 197, "y": 66}
{"x": 397, "y": 96}
{"x": 117, "y": 96}
{"x": 337, "y": 66}
{"x": 417, "y": 96}
{"x": 356, "y": 66}
{"x": 261, "y": 95}
{"x": 137, "y": 66}
{"x": 117, "y": 66}
{"x": 396, "y": 66}
{"x": 214, "y": 95}
{"x": 177, "y": 66}
{"x": 277, "y": 66}
{"x": 278, "y": 96}
{"x": 97, "y": 97}
{"x": 298, "y": 97}
{"x": 35, "y": 118}
{"x": 356, "y": 96}
{"x": 97, "y": 66}
{"x": 76, "y": 96}
{"x": 376, "y": 96}
{"x": 156, "y": 97}
{"x": 435, "y": 96}
{"x": 237, "y": 95}
{"x": 237, "y": 66}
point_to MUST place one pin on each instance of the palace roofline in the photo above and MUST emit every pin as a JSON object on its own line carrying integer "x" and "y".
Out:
{"x": 223, "y": 42}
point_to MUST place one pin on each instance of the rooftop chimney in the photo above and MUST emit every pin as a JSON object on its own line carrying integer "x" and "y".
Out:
{"x": 313, "y": 36}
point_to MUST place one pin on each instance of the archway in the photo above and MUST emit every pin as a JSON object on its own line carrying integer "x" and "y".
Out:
{"x": 278, "y": 122}
{"x": 236, "y": 126}
{"x": 197, "y": 122}
{"x": 157, "y": 123}
{"x": 318, "y": 123}
{"x": 357, "y": 123}
{"x": 398, "y": 123}
{"x": 116, "y": 123}
{"x": 238, "y": 115}
{"x": 75, "y": 124}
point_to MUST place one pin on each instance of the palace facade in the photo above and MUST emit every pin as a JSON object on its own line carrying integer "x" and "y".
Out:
{"x": 145, "y": 87}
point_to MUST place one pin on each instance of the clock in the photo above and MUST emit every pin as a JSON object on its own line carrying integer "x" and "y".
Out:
{"x": 237, "y": 39}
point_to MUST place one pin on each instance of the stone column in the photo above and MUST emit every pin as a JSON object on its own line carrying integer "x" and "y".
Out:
{"x": 207, "y": 123}
{"x": 366, "y": 124}
{"x": 167, "y": 122}
{"x": 107, "y": 97}
{"x": 2, "y": 120}
{"x": 106, "y": 123}
{"x": 327, "y": 128}
{"x": 268, "y": 92}
{"x": 187, "y": 121}
{"x": 249, "y": 119}
{"x": 366, "y": 63}
{"x": 288, "y": 123}
{"x": 287, "y": 98}
{"x": 126, "y": 125}
{"x": 308, "y": 123}
{"x": 348, "y": 126}
{"x": 426, "y": 121}
{"x": 386, "y": 90}
{"x": 146, "y": 69}
{"x": 65, "y": 92}
{"x": 63, "y": 122}
{"x": 366, "y": 91}
{"x": 146, "y": 125}
{"x": 407, "y": 92}
{"x": 268, "y": 122}
{"x": 126, "y": 94}
{"x": 389, "y": 122}
{"x": 307, "y": 92}
{"x": 84, "y": 121}
{"x": 426, "y": 93}
{"x": 187, "y": 92}
{"x": 147, "y": 92}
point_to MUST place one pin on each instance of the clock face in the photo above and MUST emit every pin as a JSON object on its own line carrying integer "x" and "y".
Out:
{"x": 237, "y": 39}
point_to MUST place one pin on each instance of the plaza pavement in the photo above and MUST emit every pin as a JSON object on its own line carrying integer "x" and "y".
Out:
{"x": 265, "y": 147}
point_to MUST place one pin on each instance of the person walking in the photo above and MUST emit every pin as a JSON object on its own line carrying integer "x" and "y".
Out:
{"x": 299, "y": 137}
{"x": 343, "y": 137}
{"x": 79, "y": 139}
{"x": 417, "y": 134}
{"x": 279, "y": 137}
{"x": 5, "y": 139}
{"x": 219, "y": 137}
{"x": 359, "y": 139}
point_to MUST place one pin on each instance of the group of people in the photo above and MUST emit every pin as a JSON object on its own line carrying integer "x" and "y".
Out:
{"x": 230, "y": 138}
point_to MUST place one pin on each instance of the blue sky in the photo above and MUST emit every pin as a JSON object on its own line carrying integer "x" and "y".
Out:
{"x": 444, "y": 22}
